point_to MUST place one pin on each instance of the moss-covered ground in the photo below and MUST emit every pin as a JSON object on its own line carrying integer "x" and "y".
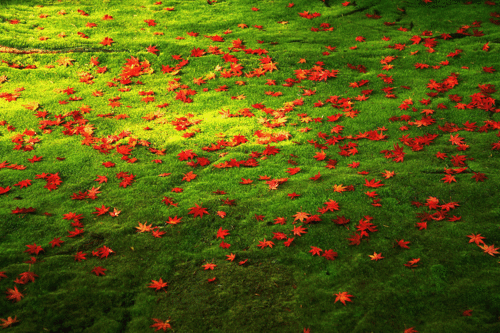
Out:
{"x": 150, "y": 128}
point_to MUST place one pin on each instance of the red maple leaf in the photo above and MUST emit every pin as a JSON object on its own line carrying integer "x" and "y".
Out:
{"x": 23, "y": 210}
{"x": 279, "y": 235}
{"x": 197, "y": 211}
{"x": 246, "y": 181}
{"x": 421, "y": 225}
{"x": 186, "y": 154}
{"x": 355, "y": 239}
{"x": 56, "y": 242}
{"x": 169, "y": 201}
{"x": 101, "y": 211}
{"x": 34, "y": 249}
{"x": 373, "y": 183}
{"x": 79, "y": 256}
{"x": 35, "y": 159}
{"x": 280, "y": 220}
{"x": 23, "y": 183}
{"x": 412, "y": 263}
{"x": 26, "y": 277}
{"x": 331, "y": 205}
{"x": 299, "y": 230}
{"x": 73, "y": 216}
{"x": 210, "y": 266}
{"x": 403, "y": 244}
{"x": 441, "y": 155}
{"x": 75, "y": 233}
{"x": 224, "y": 245}
{"x": 467, "y": 313}
{"x": 340, "y": 220}
{"x": 476, "y": 239}
{"x": 103, "y": 252}
{"x": 320, "y": 156}
{"x": 222, "y": 233}
{"x": 152, "y": 49}
{"x": 265, "y": 243}
{"x": 410, "y": 330}
{"x": 98, "y": 270}
{"x": 315, "y": 250}
{"x": 173, "y": 220}
{"x": 478, "y": 176}
{"x": 157, "y": 233}
{"x": 189, "y": 176}
{"x": 330, "y": 254}
{"x": 259, "y": 217}
{"x": 489, "y": 69}
{"x": 4, "y": 189}
{"x": 197, "y": 52}
{"x": 157, "y": 285}
{"x": 450, "y": 205}
{"x": 316, "y": 177}
{"x": 293, "y": 171}
{"x": 14, "y": 294}
{"x": 449, "y": 179}
{"x": 270, "y": 150}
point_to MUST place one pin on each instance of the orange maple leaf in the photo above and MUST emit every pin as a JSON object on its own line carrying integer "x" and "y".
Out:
{"x": 491, "y": 250}
{"x": 412, "y": 263}
{"x": 476, "y": 239}
{"x": 8, "y": 322}
{"x": 161, "y": 325}
{"x": 157, "y": 285}
{"x": 339, "y": 188}
{"x": 143, "y": 227}
{"x": 343, "y": 297}
{"x": 210, "y": 266}
{"x": 107, "y": 41}
{"x": 388, "y": 174}
{"x": 189, "y": 176}
{"x": 301, "y": 216}
{"x": 376, "y": 256}
{"x": 65, "y": 61}
{"x": 298, "y": 231}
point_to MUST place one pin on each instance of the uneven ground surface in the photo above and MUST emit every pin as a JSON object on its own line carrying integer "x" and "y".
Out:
{"x": 249, "y": 166}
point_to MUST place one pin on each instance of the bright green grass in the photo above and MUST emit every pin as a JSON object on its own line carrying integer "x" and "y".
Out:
{"x": 279, "y": 289}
